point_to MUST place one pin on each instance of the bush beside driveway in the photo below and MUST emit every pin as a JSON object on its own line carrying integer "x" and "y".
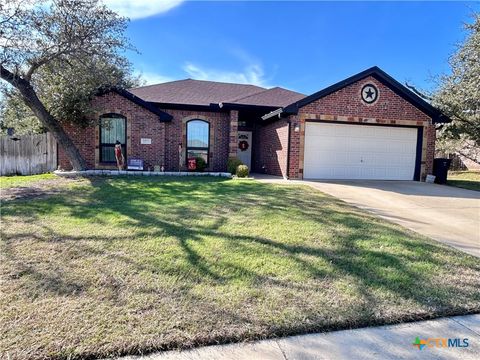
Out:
{"x": 131, "y": 265}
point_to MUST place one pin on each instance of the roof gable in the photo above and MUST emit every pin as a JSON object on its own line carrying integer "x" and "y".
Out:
{"x": 380, "y": 75}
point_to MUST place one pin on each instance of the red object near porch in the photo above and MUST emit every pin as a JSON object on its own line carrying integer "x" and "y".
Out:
{"x": 192, "y": 164}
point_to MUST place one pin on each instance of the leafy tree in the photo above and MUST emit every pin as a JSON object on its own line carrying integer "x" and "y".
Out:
{"x": 459, "y": 97}
{"x": 15, "y": 114}
{"x": 55, "y": 55}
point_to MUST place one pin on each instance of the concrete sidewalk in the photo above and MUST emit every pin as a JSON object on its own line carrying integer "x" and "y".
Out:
{"x": 384, "y": 342}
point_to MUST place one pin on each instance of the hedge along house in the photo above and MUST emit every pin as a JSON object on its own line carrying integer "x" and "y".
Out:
{"x": 368, "y": 126}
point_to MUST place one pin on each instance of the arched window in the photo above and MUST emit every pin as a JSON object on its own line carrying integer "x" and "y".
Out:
{"x": 198, "y": 139}
{"x": 113, "y": 128}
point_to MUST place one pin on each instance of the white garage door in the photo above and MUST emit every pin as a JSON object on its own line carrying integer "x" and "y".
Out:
{"x": 337, "y": 151}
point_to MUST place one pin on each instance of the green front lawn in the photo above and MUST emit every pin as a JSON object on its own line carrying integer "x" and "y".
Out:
{"x": 18, "y": 181}
{"x": 464, "y": 179}
{"x": 131, "y": 265}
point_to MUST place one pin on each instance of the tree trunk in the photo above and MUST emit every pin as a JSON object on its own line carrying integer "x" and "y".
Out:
{"x": 48, "y": 121}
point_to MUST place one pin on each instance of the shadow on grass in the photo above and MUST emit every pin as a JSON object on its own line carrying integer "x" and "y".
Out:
{"x": 198, "y": 210}
{"x": 466, "y": 184}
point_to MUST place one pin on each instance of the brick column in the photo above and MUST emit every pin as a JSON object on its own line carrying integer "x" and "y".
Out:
{"x": 233, "y": 143}
{"x": 296, "y": 147}
{"x": 430, "y": 149}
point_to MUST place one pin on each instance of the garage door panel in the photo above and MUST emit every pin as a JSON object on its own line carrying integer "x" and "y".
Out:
{"x": 401, "y": 147}
{"x": 374, "y": 173}
{"x": 327, "y": 132}
{"x": 338, "y": 151}
{"x": 379, "y": 132}
{"x": 378, "y": 147}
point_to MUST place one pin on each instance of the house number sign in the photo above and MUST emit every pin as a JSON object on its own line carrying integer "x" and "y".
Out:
{"x": 145, "y": 141}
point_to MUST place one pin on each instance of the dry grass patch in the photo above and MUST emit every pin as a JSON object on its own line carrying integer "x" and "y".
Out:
{"x": 132, "y": 265}
{"x": 34, "y": 186}
{"x": 21, "y": 181}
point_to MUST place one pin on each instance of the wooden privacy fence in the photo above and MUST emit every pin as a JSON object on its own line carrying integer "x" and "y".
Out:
{"x": 28, "y": 154}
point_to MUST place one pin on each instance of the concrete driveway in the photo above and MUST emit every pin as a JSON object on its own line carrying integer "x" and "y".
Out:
{"x": 444, "y": 213}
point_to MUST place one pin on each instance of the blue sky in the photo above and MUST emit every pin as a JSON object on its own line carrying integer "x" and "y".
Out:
{"x": 304, "y": 46}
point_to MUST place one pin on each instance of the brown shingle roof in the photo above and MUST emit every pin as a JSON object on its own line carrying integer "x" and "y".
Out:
{"x": 276, "y": 96}
{"x": 200, "y": 92}
{"x": 194, "y": 92}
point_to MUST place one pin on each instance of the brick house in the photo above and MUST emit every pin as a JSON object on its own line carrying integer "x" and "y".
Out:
{"x": 368, "y": 126}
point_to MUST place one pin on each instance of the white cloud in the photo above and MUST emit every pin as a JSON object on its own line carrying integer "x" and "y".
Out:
{"x": 249, "y": 71}
{"x": 251, "y": 74}
{"x": 151, "y": 78}
{"x": 137, "y": 9}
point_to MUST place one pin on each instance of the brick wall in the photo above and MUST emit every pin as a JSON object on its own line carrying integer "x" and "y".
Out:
{"x": 347, "y": 102}
{"x": 84, "y": 140}
{"x": 296, "y": 148}
{"x": 176, "y": 135}
{"x": 141, "y": 123}
{"x": 345, "y": 105}
{"x": 430, "y": 148}
{"x": 271, "y": 147}
{"x": 233, "y": 134}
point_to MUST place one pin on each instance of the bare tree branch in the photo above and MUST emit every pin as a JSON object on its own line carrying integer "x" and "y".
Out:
{"x": 418, "y": 92}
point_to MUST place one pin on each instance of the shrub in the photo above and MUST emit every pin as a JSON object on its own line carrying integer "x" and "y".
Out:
{"x": 242, "y": 171}
{"x": 233, "y": 164}
{"x": 201, "y": 164}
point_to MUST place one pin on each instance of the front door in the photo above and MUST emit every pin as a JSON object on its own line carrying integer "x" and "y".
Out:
{"x": 245, "y": 147}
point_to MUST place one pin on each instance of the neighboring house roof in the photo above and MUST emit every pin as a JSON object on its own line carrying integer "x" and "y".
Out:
{"x": 163, "y": 116}
{"x": 377, "y": 73}
{"x": 205, "y": 93}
